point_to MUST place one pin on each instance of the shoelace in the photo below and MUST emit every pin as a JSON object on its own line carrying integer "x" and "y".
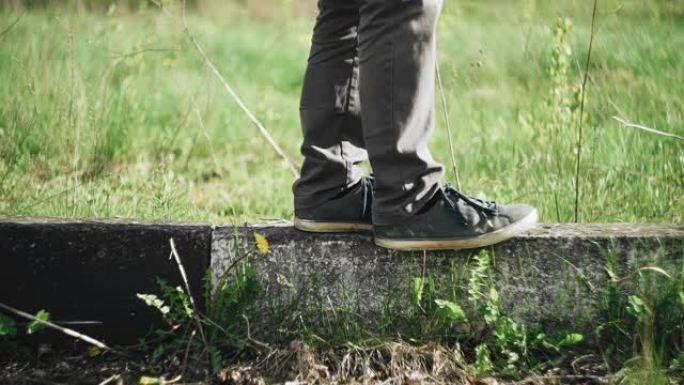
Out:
{"x": 482, "y": 207}
{"x": 367, "y": 183}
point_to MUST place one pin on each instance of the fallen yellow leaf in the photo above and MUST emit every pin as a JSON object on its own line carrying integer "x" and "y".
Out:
{"x": 145, "y": 380}
{"x": 94, "y": 351}
{"x": 261, "y": 243}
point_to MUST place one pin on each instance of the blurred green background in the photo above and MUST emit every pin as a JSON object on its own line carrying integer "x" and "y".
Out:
{"x": 107, "y": 111}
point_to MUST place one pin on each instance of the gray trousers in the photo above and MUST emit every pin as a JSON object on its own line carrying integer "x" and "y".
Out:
{"x": 368, "y": 93}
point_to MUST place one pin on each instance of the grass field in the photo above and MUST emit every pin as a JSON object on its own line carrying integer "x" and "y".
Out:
{"x": 113, "y": 115}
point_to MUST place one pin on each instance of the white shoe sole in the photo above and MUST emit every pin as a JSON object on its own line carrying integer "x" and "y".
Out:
{"x": 482, "y": 240}
{"x": 329, "y": 227}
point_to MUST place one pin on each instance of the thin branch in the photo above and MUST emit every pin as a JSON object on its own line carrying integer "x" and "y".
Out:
{"x": 256, "y": 342}
{"x": 187, "y": 352}
{"x": 198, "y": 322}
{"x": 110, "y": 379}
{"x": 174, "y": 254}
{"x": 581, "y": 114}
{"x": 9, "y": 28}
{"x": 233, "y": 264}
{"x": 252, "y": 342}
{"x": 174, "y": 380}
{"x": 67, "y": 331}
{"x": 647, "y": 129}
{"x": 210, "y": 64}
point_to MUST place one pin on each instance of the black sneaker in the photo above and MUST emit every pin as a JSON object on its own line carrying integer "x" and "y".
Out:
{"x": 349, "y": 211}
{"x": 452, "y": 220}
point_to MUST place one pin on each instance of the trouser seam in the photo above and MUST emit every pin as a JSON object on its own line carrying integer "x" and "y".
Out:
{"x": 392, "y": 122}
{"x": 348, "y": 166}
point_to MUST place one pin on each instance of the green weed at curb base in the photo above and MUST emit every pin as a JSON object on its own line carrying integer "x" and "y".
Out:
{"x": 637, "y": 307}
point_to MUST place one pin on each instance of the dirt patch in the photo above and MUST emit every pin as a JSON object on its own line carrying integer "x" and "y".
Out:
{"x": 62, "y": 368}
{"x": 386, "y": 363}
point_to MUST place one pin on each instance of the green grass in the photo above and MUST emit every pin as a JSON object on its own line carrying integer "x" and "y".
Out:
{"x": 105, "y": 115}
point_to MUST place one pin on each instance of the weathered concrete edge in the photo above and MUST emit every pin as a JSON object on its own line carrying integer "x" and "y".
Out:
{"x": 282, "y": 237}
{"x": 58, "y": 221}
{"x": 548, "y": 277}
{"x": 283, "y": 231}
{"x": 92, "y": 269}
{"x": 550, "y": 230}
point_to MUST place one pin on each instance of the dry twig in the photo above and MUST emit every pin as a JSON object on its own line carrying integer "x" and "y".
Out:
{"x": 67, "y": 331}
{"x": 187, "y": 352}
{"x": 111, "y": 379}
{"x": 210, "y": 64}
{"x": 540, "y": 380}
{"x": 647, "y": 129}
{"x": 195, "y": 315}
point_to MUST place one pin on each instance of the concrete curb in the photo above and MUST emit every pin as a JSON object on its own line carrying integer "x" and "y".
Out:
{"x": 547, "y": 278}
{"x": 90, "y": 270}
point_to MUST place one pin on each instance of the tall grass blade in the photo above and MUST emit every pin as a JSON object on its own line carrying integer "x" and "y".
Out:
{"x": 447, "y": 123}
{"x": 581, "y": 114}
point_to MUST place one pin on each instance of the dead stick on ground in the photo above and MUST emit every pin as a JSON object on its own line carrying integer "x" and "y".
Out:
{"x": 210, "y": 64}
{"x": 249, "y": 341}
{"x": 67, "y": 331}
{"x": 258, "y": 343}
{"x": 110, "y": 379}
{"x": 195, "y": 316}
{"x": 559, "y": 379}
{"x": 187, "y": 353}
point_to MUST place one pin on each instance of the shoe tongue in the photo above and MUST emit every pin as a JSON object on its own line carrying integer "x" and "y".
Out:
{"x": 491, "y": 208}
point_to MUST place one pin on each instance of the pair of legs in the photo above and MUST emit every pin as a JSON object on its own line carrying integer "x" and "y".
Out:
{"x": 369, "y": 94}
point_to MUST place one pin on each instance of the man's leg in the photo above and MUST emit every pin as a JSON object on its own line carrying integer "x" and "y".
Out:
{"x": 397, "y": 77}
{"x": 411, "y": 210}
{"x": 330, "y": 108}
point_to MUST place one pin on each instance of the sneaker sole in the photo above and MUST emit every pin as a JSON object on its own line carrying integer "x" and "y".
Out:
{"x": 488, "y": 239}
{"x": 330, "y": 227}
